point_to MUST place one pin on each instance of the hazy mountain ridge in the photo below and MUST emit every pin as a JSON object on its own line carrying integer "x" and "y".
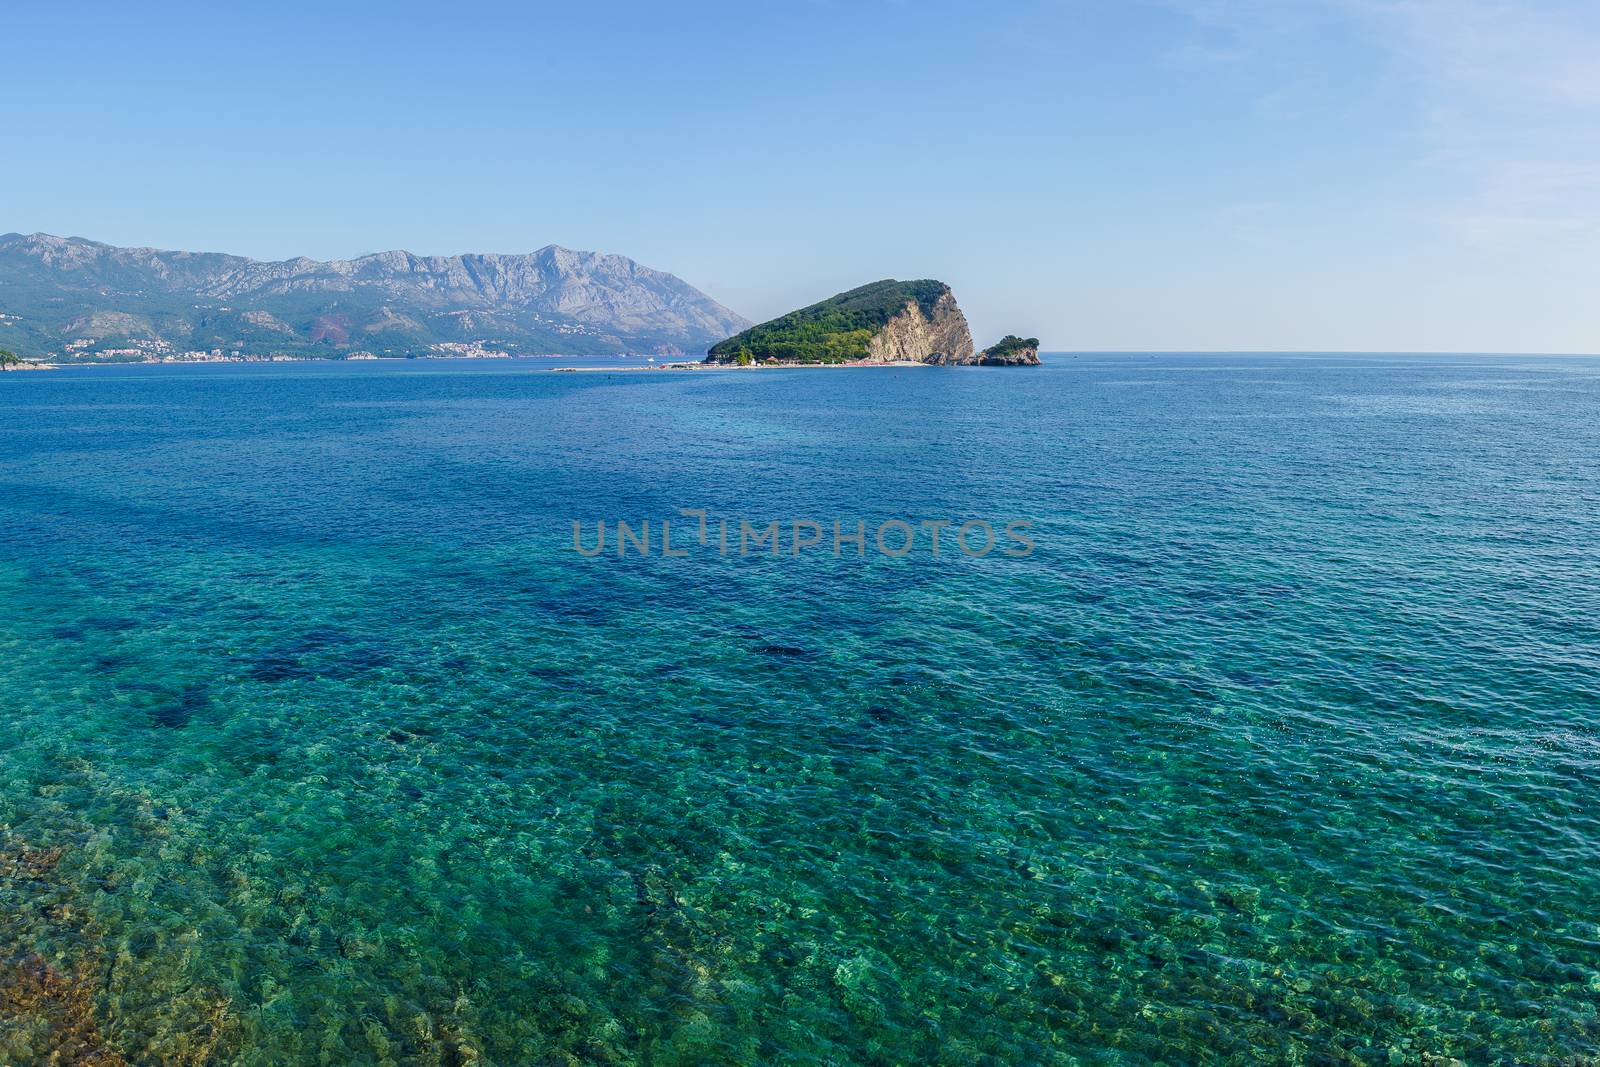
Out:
{"x": 55, "y": 292}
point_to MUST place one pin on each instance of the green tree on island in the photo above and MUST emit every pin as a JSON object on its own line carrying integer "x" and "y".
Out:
{"x": 1010, "y": 344}
{"x": 837, "y": 330}
{"x": 9, "y": 359}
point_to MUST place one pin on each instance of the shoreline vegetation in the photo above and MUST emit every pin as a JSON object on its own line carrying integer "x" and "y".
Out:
{"x": 845, "y": 328}
{"x": 887, "y": 321}
{"x": 10, "y": 361}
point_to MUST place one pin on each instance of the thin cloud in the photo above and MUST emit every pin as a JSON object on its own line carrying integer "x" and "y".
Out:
{"x": 1508, "y": 94}
{"x": 1530, "y": 54}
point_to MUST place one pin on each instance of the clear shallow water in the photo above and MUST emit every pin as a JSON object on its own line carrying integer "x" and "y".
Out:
{"x": 321, "y": 745}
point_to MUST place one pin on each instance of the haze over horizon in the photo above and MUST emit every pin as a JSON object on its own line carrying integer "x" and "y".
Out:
{"x": 1386, "y": 175}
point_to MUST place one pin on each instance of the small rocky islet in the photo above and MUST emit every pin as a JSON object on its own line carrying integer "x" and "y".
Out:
{"x": 887, "y": 321}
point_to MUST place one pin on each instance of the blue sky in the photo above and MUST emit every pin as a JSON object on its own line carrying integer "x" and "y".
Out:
{"x": 1106, "y": 174}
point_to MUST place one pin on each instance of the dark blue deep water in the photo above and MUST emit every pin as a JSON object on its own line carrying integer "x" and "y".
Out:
{"x": 321, "y": 745}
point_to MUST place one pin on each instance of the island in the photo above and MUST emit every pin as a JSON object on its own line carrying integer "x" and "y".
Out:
{"x": 883, "y": 323}
{"x": 10, "y": 361}
{"x": 1011, "y": 351}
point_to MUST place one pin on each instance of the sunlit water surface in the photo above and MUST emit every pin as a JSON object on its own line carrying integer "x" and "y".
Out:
{"x": 321, "y": 745}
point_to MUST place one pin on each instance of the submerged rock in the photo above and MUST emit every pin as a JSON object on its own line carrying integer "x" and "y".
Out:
{"x": 782, "y": 651}
{"x": 176, "y": 711}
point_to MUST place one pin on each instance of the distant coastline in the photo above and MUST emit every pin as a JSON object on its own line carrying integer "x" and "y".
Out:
{"x": 203, "y": 359}
{"x": 638, "y": 366}
{"x": 72, "y": 296}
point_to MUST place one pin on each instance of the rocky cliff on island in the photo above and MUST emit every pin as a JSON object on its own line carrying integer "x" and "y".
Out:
{"x": 884, "y": 322}
{"x": 924, "y": 334}
{"x": 1011, "y": 351}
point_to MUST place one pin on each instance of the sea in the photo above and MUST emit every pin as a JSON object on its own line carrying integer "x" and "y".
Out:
{"x": 1247, "y": 711}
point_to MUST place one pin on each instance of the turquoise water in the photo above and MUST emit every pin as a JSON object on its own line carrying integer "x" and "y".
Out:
{"x": 321, "y": 745}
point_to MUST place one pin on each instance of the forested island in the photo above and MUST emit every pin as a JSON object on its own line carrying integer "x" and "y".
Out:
{"x": 883, "y": 322}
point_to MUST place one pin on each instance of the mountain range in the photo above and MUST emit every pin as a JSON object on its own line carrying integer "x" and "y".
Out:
{"x": 75, "y": 299}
